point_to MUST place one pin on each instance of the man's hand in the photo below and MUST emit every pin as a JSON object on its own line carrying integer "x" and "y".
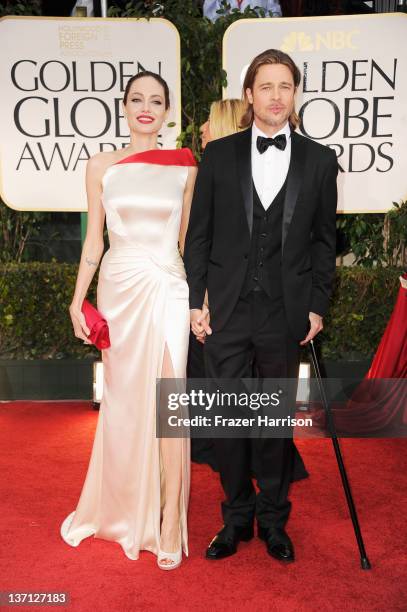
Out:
{"x": 315, "y": 327}
{"x": 200, "y": 323}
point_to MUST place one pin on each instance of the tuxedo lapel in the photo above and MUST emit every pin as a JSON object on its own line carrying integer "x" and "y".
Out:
{"x": 244, "y": 170}
{"x": 294, "y": 178}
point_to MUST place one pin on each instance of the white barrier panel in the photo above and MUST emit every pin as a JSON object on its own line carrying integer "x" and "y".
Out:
{"x": 62, "y": 82}
{"x": 353, "y": 95}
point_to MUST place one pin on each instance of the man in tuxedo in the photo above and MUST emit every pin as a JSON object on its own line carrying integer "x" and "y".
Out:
{"x": 261, "y": 240}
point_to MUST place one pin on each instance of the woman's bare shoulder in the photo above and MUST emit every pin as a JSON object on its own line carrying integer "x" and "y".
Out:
{"x": 98, "y": 163}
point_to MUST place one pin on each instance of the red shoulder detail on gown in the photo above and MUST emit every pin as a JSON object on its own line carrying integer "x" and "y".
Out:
{"x": 162, "y": 157}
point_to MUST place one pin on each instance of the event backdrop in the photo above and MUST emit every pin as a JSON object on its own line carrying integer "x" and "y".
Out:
{"x": 63, "y": 79}
{"x": 62, "y": 82}
{"x": 353, "y": 96}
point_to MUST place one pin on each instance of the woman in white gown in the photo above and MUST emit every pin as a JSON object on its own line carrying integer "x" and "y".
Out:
{"x": 137, "y": 486}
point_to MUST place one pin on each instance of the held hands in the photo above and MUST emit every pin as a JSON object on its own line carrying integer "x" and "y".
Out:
{"x": 200, "y": 322}
{"x": 315, "y": 327}
{"x": 81, "y": 330}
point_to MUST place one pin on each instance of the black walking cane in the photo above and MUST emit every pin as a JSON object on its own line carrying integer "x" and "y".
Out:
{"x": 358, "y": 534}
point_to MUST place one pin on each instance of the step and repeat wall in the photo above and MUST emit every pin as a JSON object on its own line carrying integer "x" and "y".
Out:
{"x": 62, "y": 83}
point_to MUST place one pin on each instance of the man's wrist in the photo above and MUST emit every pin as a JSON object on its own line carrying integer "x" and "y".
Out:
{"x": 312, "y": 312}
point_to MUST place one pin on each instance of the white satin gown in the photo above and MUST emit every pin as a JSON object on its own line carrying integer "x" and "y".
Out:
{"x": 143, "y": 294}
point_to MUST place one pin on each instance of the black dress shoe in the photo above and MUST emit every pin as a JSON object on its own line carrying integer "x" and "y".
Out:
{"x": 278, "y": 543}
{"x": 225, "y": 542}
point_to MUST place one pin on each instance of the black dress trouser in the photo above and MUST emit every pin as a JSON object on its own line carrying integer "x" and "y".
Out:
{"x": 256, "y": 329}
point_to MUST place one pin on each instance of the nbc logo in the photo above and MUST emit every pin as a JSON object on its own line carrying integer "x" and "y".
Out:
{"x": 301, "y": 41}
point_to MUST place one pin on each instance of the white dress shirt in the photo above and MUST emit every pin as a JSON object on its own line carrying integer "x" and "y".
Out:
{"x": 269, "y": 169}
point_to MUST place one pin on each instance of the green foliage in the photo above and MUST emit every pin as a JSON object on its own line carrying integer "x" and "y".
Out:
{"x": 23, "y": 7}
{"x": 362, "y": 302}
{"x": 377, "y": 239}
{"x": 364, "y": 237}
{"x": 34, "y": 317}
{"x": 395, "y": 235}
{"x": 17, "y": 229}
{"x": 35, "y": 322}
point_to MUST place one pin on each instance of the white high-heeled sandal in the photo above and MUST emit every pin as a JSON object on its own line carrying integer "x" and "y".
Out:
{"x": 175, "y": 557}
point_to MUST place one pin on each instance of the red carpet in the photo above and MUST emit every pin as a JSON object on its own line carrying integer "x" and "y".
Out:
{"x": 45, "y": 450}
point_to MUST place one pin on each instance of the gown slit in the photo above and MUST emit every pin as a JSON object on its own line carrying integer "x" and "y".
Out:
{"x": 167, "y": 373}
{"x": 170, "y": 371}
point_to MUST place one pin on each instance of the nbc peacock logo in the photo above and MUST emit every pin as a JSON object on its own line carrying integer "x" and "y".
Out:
{"x": 297, "y": 41}
{"x": 332, "y": 39}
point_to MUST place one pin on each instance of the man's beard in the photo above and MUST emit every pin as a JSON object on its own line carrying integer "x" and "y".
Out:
{"x": 275, "y": 122}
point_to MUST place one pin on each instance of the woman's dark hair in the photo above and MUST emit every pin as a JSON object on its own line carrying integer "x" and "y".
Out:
{"x": 154, "y": 75}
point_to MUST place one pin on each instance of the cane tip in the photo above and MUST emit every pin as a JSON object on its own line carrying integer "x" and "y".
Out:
{"x": 365, "y": 563}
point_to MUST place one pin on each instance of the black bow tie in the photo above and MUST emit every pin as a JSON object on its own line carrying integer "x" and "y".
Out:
{"x": 263, "y": 143}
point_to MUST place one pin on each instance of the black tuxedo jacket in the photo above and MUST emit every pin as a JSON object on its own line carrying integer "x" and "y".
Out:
{"x": 219, "y": 232}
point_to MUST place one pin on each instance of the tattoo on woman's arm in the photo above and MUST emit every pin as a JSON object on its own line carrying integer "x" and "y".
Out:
{"x": 90, "y": 262}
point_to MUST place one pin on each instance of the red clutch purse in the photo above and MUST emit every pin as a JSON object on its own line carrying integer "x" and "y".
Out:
{"x": 99, "y": 330}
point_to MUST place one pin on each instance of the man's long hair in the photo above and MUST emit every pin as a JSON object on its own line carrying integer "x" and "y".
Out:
{"x": 271, "y": 56}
